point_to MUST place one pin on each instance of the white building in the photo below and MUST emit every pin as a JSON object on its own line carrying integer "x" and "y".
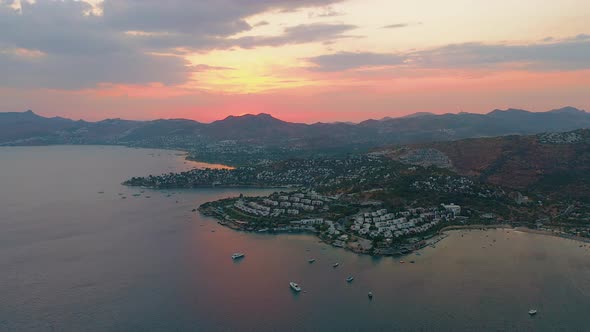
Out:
{"x": 455, "y": 209}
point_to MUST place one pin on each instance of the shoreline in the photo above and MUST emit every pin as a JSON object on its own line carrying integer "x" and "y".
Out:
{"x": 402, "y": 251}
{"x": 211, "y": 186}
{"x": 552, "y": 233}
{"x": 179, "y": 152}
{"x": 516, "y": 229}
{"x": 399, "y": 251}
{"x": 184, "y": 154}
{"x": 475, "y": 227}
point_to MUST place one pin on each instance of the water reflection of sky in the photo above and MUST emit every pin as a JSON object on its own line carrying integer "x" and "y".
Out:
{"x": 459, "y": 283}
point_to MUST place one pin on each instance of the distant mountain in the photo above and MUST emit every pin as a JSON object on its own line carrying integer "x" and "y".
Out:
{"x": 28, "y": 125}
{"x": 255, "y": 128}
{"x": 263, "y": 130}
{"x": 417, "y": 115}
{"x": 551, "y": 163}
{"x": 568, "y": 110}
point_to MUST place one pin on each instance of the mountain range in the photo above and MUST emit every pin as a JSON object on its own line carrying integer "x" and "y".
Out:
{"x": 28, "y": 128}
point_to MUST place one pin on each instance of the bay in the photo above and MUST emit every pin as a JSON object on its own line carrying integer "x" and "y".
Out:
{"x": 77, "y": 256}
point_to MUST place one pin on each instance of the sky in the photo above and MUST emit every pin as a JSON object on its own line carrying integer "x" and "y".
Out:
{"x": 299, "y": 60}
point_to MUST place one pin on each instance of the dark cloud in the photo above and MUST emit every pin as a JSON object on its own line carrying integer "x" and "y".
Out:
{"x": 58, "y": 27}
{"x": 202, "y": 18}
{"x": 260, "y": 24}
{"x": 326, "y": 12}
{"x": 77, "y": 48}
{"x": 401, "y": 25}
{"x": 304, "y": 33}
{"x": 345, "y": 61}
{"x": 86, "y": 71}
{"x": 203, "y": 67}
{"x": 566, "y": 54}
{"x": 300, "y": 34}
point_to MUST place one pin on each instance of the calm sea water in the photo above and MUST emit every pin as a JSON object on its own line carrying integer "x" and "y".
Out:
{"x": 74, "y": 259}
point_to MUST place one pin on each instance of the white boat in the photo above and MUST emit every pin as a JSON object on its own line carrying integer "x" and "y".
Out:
{"x": 237, "y": 255}
{"x": 350, "y": 279}
{"x": 370, "y": 295}
{"x": 335, "y": 265}
{"x": 311, "y": 260}
{"x": 294, "y": 286}
{"x": 533, "y": 312}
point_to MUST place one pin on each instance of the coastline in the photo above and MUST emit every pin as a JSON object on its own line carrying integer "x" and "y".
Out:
{"x": 179, "y": 152}
{"x": 401, "y": 251}
{"x": 551, "y": 233}
{"x": 439, "y": 235}
{"x": 475, "y": 227}
{"x": 356, "y": 245}
{"x": 237, "y": 186}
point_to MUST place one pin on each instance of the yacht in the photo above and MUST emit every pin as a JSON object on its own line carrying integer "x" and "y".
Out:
{"x": 294, "y": 286}
{"x": 335, "y": 265}
{"x": 350, "y": 279}
{"x": 237, "y": 255}
{"x": 533, "y": 312}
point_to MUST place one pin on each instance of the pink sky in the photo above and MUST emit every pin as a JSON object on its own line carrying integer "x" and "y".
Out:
{"x": 305, "y": 61}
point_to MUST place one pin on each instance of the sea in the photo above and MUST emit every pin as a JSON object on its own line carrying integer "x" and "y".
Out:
{"x": 81, "y": 252}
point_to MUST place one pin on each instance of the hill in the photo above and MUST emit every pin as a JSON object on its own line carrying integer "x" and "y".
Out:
{"x": 556, "y": 164}
{"x": 264, "y": 136}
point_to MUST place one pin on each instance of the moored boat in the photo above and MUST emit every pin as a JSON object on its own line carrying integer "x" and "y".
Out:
{"x": 294, "y": 286}
{"x": 350, "y": 279}
{"x": 533, "y": 312}
{"x": 311, "y": 260}
{"x": 237, "y": 255}
{"x": 336, "y": 265}
{"x": 370, "y": 295}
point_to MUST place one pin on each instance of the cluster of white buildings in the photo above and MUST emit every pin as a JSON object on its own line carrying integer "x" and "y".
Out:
{"x": 296, "y": 203}
{"x": 306, "y": 225}
{"x": 253, "y": 208}
{"x": 289, "y": 204}
{"x": 409, "y": 222}
{"x": 311, "y": 221}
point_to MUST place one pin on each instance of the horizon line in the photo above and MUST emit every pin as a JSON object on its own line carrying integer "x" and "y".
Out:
{"x": 385, "y": 118}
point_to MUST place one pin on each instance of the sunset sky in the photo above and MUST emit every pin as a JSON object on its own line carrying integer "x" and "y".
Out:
{"x": 299, "y": 60}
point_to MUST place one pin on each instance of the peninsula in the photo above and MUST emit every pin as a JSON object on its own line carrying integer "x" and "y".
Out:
{"x": 380, "y": 203}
